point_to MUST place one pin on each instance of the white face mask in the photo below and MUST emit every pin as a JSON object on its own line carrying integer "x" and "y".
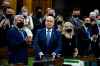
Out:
{"x": 25, "y": 13}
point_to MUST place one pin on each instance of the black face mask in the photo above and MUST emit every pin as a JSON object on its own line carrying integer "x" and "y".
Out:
{"x": 39, "y": 13}
{"x": 68, "y": 30}
{"x": 95, "y": 25}
{"x": 50, "y": 14}
{"x": 8, "y": 16}
{"x": 76, "y": 16}
{"x": 59, "y": 23}
{"x": 20, "y": 25}
{"x": 87, "y": 24}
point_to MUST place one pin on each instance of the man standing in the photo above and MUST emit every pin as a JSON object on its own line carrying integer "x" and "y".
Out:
{"x": 6, "y": 20}
{"x": 47, "y": 41}
{"x": 76, "y": 19}
{"x": 17, "y": 43}
{"x": 85, "y": 37}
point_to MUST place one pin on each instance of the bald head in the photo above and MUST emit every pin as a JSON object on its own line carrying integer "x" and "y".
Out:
{"x": 49, "y": 22}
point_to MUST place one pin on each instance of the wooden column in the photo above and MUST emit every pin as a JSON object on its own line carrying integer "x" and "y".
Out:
{"x": 13, "y": 4}
{"x": 28, "y": 4}
{"x": 46, "y": 4}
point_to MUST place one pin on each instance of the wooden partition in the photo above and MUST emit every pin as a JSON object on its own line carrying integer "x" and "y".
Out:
{"x": 42, "y": 3}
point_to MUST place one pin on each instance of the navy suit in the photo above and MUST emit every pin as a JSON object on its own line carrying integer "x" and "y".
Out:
{"x": 76, "y": 21}
{"x": 16, "y": 46}
{"x": 40, "y": 42}
{"x": 84, "y": 40}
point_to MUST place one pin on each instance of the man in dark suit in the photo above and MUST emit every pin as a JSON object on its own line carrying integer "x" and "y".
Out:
{"x": 76, "y": 18}
{"x": 47, "y": 41}
{"x": 38, "y": 19}
{"x": 17, "y": 43}
{"x": 85, "y": 37}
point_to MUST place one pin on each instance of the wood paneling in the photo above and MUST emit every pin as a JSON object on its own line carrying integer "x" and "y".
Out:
{"x": 28, "y": 4}
{"x": 13, "y": 4}
{"x": 31, "y": 4}
{"x": 42, "y": 3}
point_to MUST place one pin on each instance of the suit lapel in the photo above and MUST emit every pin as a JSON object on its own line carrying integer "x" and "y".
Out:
{"x": 44, "y": 36}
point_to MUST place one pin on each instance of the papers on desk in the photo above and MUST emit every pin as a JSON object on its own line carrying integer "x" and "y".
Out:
{"x": 73, "y": 62}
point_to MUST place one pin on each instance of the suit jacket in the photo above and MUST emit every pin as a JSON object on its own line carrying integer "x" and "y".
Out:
{"x": 68, "y": 46}
{"x": 15, "y": 38}
{"x": 40, "y": 42}
{"x": 83, "y": 37}
{"x": 76, "y": 21}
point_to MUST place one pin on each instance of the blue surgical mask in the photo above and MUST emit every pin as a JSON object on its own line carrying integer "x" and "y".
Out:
{"x": 98, "y": 22}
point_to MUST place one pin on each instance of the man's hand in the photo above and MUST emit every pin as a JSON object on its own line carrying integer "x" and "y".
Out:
{"x": 28, "y": 40}
{"x": 94, "y": 37}
{"x": 53, "y": 55}
{"x": 75, "y": 52}
{"x": 41, "y": 54}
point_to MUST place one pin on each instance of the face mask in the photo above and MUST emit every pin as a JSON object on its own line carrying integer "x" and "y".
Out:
{"x": 76, "y": 16}
{"x": 59, "y": 22}
{"x": 98, "y": 22}
{"x": 8, "y": 15}
{"x": 87, "y": 24}
{"x": 51, "y": 15}
{"x": 93, "y": 17}
{"x": 25, "y": 14}
{"x": 20, "y": 25}
{"x": 68, "y": 30}
{"x": 39, "y": 13}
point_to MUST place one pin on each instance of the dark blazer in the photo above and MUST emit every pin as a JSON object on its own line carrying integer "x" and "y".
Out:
{"x": 17, "y": 46}
{"x": 76, "y": 21}
{"x": 68, "y": 46}
{"x": 84, "y": 41}
{"x": 15, "y": 38}
{"x": 40, "y": 42}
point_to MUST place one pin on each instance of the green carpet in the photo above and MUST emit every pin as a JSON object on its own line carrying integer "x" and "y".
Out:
{"x": 30, "y": 61}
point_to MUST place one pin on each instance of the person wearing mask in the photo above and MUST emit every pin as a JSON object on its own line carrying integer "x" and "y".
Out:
{"x": 51, "y": 12}
{"x": 5, "y": 23}
{"x": 98, "y": 23}
{"x": 38, "y": 20}
{"x": 92, "y": 15}
{"x": 8, "y": 17}
{"x": 97, "y": 43}
{"x": 4, "y": 4}
{"x": 69, "y": 41}
{"x": 59, "y": 22}
{"x": 76, "y": 19}
{"x": 84, "y": 35}
{"x": 18, "y": 39}
{"x": 97, "y": 12}
{"x": 28, "y": 22}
